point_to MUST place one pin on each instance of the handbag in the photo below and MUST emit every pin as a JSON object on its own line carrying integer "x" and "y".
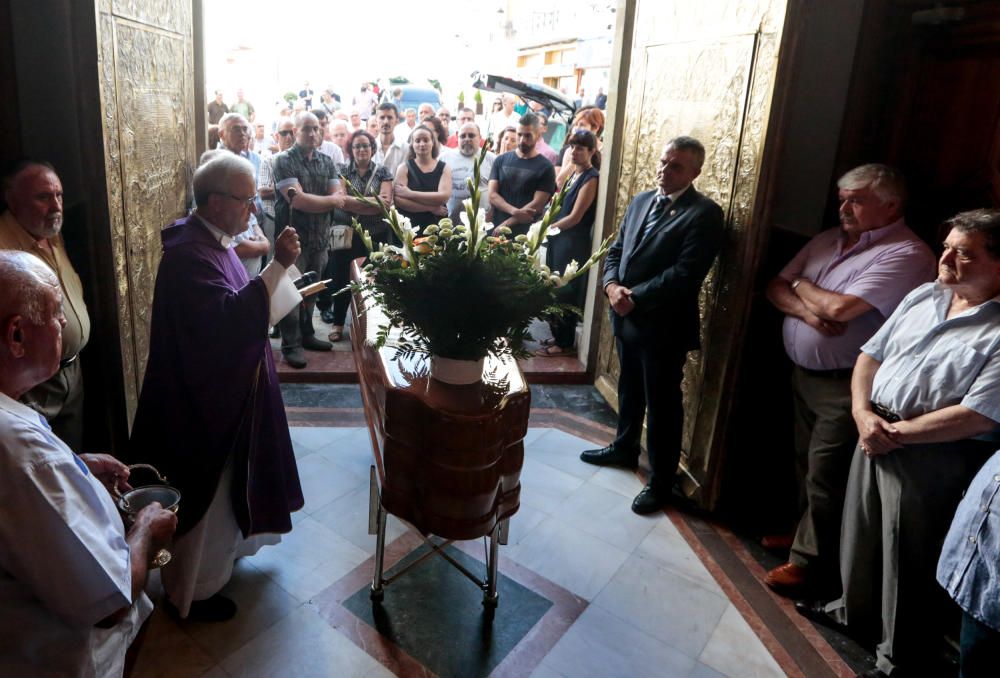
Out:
{"x": 341, "y": 237}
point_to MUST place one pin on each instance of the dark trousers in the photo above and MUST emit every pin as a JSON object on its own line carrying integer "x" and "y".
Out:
{"x": 980, "y": 648}
{"x": 298, "y": 323}
{"x": 341, "y": 274}
{"x": 825, "y": 436}
{"x": 649, "y": 387}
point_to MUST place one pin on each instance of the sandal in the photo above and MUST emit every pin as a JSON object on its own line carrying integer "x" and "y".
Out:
{"x": 548, "y": 342}
{"x": 554, "y": 352}
{"x": 336, "y": 335}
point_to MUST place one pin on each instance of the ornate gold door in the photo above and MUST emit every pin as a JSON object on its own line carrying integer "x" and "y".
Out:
{"x": 705, "y": 69}
{"x": 146, "y": 71}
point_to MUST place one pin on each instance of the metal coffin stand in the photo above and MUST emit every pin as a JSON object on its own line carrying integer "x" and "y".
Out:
{"x": 447, "y": 458}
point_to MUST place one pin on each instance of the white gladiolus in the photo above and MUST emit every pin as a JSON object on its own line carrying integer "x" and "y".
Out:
{"x": 570, "y": 271}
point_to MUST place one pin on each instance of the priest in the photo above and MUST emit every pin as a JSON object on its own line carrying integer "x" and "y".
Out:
{"x": 210, "y": 414}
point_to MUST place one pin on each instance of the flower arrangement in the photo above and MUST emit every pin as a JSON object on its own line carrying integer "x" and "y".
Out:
{"x": 456, "y": 291}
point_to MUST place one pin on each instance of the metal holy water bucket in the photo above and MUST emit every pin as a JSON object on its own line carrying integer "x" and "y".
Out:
{"x": 138, "y": 498}
{"x": 130, "y": 503}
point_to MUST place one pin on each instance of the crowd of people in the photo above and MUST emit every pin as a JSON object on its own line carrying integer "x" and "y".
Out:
{"x": 418, "y": 161}
{"x": 896, "y": 380}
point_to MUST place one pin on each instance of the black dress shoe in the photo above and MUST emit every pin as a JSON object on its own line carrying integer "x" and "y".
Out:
{"x": 610, "y": 456}
{"x": 311, "y": 343}
{"x": 650, "y": 500}
{"x": 218, "y": 608}
{"x": 326, "y": 316}
{"x": 815, "y": 611}
{"x": 295, "y": 358}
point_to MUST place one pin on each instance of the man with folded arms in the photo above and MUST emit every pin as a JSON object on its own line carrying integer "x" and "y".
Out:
{"x": 835, "y": 293}
{"x": 71, "y": 576}
{"x": 925, "y": 396}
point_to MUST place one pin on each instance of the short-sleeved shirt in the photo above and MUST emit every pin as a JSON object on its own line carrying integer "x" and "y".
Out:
{"x": 216, "y": 111}
{"x": 368, "y": 185}
{"x": 244, "y": 108}
{"x": 881, "y": 268}
{"x": 461, "y": 169}
{"x": 969, "y": 569}
{"x": 929, "y": 361}
{"x": 64, "y": 561}
{"x": 265, "y": 179}
{"x": 519, "y": 179}
{"x": 316, "y": 175}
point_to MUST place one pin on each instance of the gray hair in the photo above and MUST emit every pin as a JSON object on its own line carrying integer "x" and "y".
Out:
{"x": 212, "y": 153}
{"x": 885, "y": 182}
{"x": 24, "y": 279}
{"x": 224, "y": 120}
{"x": 690, "y": 144}
{"x": 300, "y": 118}
{"x": 215, "y": 174}
{"x": 985, "y": 221}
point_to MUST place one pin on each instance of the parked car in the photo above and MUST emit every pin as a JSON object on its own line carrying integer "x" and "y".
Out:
{"x": 413, "y": 96}
{"x": 561, "y": 108}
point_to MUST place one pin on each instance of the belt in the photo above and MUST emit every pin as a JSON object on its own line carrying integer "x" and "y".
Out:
{"x": 843, "y": 373}
{"x": 885, "y": 413}
{"x": 66, "y": 362}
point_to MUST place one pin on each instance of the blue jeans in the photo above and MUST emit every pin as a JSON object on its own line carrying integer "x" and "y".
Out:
{"x": 980, "y": 648}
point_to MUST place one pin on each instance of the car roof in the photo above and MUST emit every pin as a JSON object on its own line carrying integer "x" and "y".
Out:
{"x": 551, "y": 98}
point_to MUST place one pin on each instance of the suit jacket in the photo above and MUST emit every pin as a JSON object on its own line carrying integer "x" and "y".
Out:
{"x": 666, "y": 270}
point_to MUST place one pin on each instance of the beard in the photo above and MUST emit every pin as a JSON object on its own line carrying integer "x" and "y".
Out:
{"x": 49, "y": 227}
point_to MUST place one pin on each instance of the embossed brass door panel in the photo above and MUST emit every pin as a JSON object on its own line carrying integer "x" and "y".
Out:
{"x": 147, "y": 99}
{"x": 705, "y": 69}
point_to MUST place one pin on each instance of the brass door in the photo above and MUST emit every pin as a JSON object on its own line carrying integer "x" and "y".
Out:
{"x": 146, "y": 74}
{"x": 705, "y": 69}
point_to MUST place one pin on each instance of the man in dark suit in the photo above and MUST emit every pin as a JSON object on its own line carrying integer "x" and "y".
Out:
{"x": 653, "y": 273}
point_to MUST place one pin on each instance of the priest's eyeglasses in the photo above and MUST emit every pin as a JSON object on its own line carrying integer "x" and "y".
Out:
{"x": 248, "y": 203}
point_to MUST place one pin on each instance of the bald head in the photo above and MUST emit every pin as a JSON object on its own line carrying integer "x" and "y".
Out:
{"x": 34, "y": 196}
{"x": 24, "y": 280}
{"x": 32, "y": 321}
{"x": 469, "y": 139}
{"x": 308, "y": 135}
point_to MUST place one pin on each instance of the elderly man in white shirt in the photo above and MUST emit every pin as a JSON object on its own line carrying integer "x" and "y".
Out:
{"x": 71, "y": 577}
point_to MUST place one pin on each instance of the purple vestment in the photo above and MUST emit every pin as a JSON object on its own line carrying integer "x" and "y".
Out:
{"x": 210, "y": 389}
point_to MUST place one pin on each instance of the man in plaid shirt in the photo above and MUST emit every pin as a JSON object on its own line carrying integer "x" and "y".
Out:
{"x": 317, "y": 192}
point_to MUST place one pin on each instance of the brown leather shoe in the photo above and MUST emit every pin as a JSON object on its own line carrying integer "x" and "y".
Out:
{"x": 788, "y": 580}
{"x": 778, "y": 542}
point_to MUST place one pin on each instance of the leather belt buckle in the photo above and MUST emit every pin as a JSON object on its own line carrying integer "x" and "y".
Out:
{"x": 885, "y": 413}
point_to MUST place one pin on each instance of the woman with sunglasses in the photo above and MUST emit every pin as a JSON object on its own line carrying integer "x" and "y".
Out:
{"x": 575, "y": 222}
{"x": 372, "y": 181}
{"x": 423, "y": 183}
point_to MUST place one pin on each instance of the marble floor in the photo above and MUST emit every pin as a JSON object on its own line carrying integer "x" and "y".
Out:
{"x": 637, "y": 598}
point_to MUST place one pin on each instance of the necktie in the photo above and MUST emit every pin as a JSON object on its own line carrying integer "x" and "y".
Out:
{"x": 659, "y": 207}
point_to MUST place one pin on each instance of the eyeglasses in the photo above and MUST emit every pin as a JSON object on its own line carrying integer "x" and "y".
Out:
{"x": 246, "y": 202}
{"x": 361, "y": 147}
{"x": 286, "y": 133}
